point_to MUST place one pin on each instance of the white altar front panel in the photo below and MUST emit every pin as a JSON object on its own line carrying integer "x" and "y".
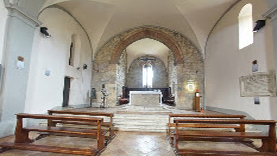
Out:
{"x": 145, "y": 98}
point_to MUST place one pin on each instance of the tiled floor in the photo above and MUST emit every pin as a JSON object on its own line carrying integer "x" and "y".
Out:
{"x": 125, "y": 144}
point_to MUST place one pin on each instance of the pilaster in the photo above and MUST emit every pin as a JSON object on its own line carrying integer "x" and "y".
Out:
{"x": 18, "y": 40}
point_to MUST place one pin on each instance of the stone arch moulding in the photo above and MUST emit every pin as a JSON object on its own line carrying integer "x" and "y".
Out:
{"x": 152, "y": 34}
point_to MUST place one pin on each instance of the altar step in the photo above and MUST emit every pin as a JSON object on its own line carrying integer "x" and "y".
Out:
{"x": 141, "y": 123}
{"x": 145, "y": 110}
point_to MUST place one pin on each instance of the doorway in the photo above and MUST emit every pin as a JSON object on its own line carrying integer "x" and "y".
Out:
{"x": 66, "y": 91}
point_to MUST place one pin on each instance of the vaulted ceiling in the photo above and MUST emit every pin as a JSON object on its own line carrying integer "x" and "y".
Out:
{"x": 103, "y": 19}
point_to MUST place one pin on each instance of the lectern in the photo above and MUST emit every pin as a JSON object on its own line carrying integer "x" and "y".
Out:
{"x": 197, "y": 101}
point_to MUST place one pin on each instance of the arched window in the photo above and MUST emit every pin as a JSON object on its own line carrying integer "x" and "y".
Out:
{"x": 147, "y": 72}
{"x": 245, "y": 26}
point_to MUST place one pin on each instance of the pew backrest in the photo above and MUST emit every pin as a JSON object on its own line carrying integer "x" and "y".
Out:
{"x": 171, "y": 124}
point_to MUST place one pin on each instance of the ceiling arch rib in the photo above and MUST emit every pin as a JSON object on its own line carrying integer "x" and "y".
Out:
{"x": 152, "y": 34}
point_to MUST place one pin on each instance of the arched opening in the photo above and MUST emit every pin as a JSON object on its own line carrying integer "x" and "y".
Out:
{"x": 245, "y": 26}
{"x": 152, "y": 34}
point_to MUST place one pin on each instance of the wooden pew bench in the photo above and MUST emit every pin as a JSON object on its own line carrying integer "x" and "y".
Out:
{"x": 171, "y": 125}
{"x": 22, "y": 140}
{"x": 268, "y": 140}
{"x": 109, "y": 124}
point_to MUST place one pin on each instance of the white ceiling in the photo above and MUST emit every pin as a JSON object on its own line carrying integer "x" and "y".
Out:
{"x": 103, "y": 19}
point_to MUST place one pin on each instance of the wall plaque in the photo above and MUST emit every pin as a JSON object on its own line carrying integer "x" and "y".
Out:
{"x": 258, "y": 84}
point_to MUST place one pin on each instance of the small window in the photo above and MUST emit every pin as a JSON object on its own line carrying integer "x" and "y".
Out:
{"x": 245, "y": 26}
{"x": 72, "y": 51}
{"x": 147, "y": 75}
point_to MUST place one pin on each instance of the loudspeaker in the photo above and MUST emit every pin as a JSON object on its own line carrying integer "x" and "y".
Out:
{"x": 259, "y": 25}
{"x": 43, "y": 30}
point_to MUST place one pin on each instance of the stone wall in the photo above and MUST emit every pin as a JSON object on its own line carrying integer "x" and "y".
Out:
{"x": 185, "y": 65}
{"x": 121, "y": 73}
{"x": 134, "y": 76}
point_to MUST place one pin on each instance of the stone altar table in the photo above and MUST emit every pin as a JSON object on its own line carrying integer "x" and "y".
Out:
{"x": 146, "y": 98}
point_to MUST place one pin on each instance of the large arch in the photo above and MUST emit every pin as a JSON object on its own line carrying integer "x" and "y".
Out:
{"x": 185, "y": 62}
{"x": 152, "y": 34}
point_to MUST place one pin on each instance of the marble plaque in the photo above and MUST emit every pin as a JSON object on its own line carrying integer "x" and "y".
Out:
{"x": 258, "y": 84}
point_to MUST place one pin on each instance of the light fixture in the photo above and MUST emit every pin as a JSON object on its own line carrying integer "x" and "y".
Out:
{"x": 190, "y": 86}
{"x": 259, "y": 25}
{"x": 43, "y": 30}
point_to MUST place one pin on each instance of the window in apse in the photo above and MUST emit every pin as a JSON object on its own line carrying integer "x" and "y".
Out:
{"x": 147, "y": 75}
{"x": 245, "y": 26}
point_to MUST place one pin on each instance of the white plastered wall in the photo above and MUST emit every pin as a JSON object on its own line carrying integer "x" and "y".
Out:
{"x": 225, "y": 63}
{"x": 45, "y": 92}
{"x": 3, "y": 21}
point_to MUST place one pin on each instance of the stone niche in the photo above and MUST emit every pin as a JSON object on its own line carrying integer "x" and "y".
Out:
{"x": 258, "y": 84}
{"x": 185, "y": 64}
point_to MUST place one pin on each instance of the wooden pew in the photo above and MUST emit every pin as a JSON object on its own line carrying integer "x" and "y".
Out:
{"x": 22, "y": 140}
{"x": 108, "y": 124}
{"x": 268, "y": 140}
{"x": 239, "y": 128}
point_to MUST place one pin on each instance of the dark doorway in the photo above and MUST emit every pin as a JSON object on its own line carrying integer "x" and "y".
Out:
{"x": 66, "y": 90}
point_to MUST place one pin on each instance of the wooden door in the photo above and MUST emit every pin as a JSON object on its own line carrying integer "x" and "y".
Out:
{"x": 66, "y": 91}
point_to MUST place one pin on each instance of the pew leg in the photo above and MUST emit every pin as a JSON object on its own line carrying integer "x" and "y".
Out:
{"x": 112, "y": 135}
{"x": 175, "y": 143}
{"x": 268, "y": 145}
{"x": 22, "y": 137}
{"x": 101, "y": 142}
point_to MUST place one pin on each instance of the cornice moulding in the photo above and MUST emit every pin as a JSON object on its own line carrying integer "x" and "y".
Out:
{"x": 271, "y": 12}
{"x": 19, "y": 12}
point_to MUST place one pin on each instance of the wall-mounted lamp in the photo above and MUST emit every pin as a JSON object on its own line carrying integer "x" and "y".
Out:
{"x": 259, "y": 25}
{"x": 43, "y": 30}
{"x": 191, "y": 86}
{"x": 85, "y": 66}
{"x": 254, "y": 66}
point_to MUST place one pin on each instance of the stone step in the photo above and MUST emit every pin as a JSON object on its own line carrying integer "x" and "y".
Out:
{"x": 138, "y": 120}
{"x": 148, "y": 128}
{"x": 142, "y": 123}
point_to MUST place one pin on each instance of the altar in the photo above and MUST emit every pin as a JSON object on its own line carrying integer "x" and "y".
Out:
{"x": 145, "y": 98}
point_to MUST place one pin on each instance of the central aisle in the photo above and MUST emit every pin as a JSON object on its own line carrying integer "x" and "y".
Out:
{"x": 139, "y": 144}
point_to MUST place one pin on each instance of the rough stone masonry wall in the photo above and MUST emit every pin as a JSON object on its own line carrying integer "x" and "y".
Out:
{"x": 121, "y": 73}
{"x": 134, "y": 76}
{"x": 191, "y": 69}
{"x": 172, "y": 78}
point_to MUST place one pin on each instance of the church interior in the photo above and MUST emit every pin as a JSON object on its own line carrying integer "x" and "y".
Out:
{"x": 138, "y": 78}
